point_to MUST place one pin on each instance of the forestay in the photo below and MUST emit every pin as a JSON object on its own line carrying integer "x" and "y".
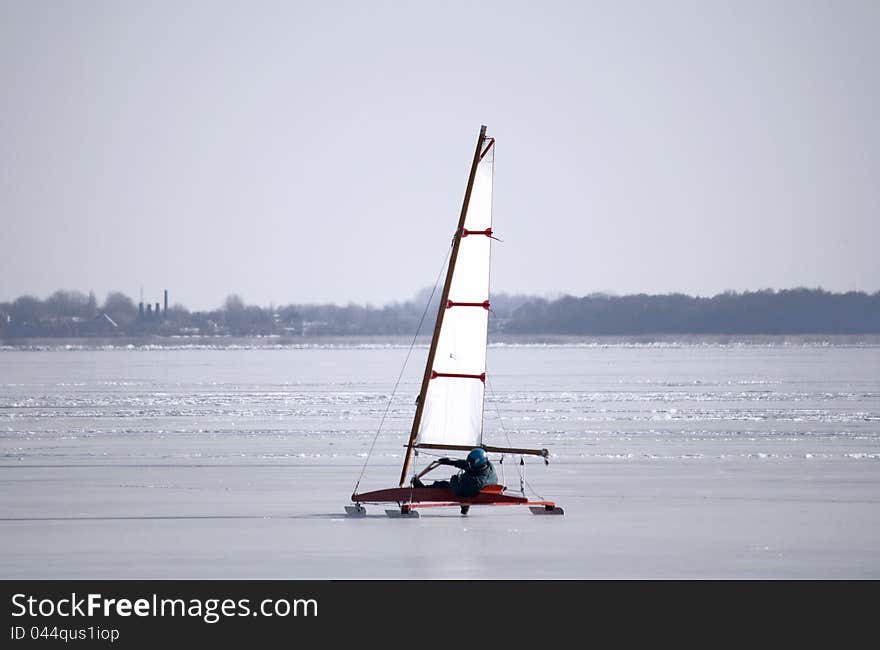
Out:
{"x": 453, "y": 410}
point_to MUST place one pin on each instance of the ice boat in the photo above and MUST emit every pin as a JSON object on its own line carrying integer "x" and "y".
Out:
{"x": 449, "y": 408}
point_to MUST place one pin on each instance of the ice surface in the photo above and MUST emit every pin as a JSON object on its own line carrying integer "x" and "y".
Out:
{"x": 670, "y": 461}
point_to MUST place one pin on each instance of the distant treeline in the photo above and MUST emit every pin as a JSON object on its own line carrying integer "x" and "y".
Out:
{"x": 793, "y": 311}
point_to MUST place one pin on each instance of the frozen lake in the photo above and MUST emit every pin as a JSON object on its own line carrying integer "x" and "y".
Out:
{"x": 691, "y": 461}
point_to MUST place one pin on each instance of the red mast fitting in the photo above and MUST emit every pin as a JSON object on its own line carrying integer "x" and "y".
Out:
{"x": 450, "y": 304}
{"x": 481, "y": 376}
{"x": 465, "y": 232}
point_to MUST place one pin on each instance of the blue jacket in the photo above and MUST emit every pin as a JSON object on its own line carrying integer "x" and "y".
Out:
{"x": 469, "y": 482}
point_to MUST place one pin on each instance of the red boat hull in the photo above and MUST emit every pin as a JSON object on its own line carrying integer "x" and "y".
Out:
{"x": 491, "y": 495}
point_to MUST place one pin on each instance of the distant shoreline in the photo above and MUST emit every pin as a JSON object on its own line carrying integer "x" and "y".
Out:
{"x": 811, "y": 313}
{"x": 393, "y": 341}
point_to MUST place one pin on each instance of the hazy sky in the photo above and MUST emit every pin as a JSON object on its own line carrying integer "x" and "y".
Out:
{"x": 297, "y": 152}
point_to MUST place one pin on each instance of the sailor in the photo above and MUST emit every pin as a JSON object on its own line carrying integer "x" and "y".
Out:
{"x": 477, "y": 473}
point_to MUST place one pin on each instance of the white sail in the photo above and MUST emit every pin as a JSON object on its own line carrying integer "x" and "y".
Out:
{"x": 453, "y": 410}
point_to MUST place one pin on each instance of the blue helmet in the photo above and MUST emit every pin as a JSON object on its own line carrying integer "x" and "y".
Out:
{"x": 477, "y": 459}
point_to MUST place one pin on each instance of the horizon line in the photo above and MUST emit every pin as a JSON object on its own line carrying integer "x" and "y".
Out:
{"x": 548, "y": 296}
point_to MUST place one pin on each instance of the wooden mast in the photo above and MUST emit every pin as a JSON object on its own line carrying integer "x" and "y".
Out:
{"x": 420, "y": 406}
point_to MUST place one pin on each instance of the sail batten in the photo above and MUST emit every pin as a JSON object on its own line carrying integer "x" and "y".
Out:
{"x": 453, "y": 407}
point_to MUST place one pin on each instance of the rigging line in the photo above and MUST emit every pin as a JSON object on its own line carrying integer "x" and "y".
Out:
{"x": 497, "y": 411}
{"x": 501, "y": 463}
{"x": 522, "y": 474}
{"x": 430, "y": 454}
{"x": 533, "y": 490}
{"x": 405, "y": 361}
{"x": 504, "y": 431}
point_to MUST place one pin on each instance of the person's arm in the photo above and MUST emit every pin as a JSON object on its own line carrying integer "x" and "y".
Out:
{"x": 460, "y": 464}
